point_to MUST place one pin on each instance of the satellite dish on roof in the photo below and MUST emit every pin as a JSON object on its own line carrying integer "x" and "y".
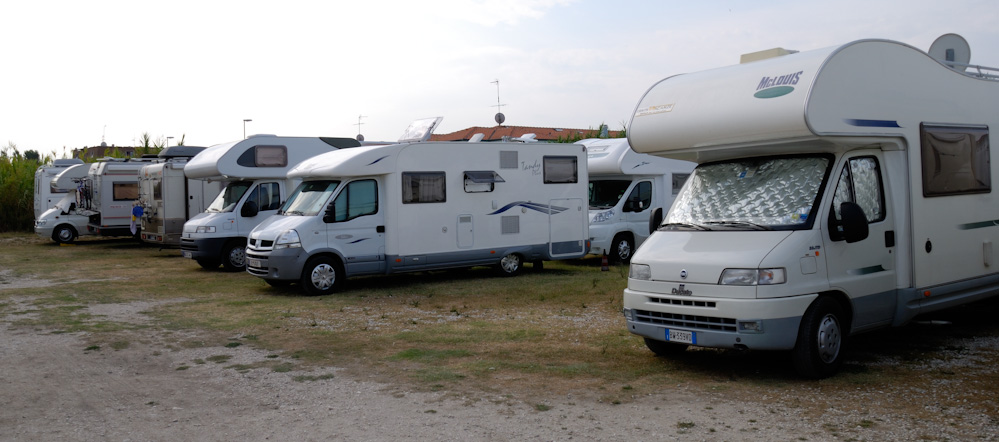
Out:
{"x": 951, "y": 50}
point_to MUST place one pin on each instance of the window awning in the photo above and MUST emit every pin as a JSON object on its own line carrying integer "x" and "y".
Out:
{"x": 483, "y": 176}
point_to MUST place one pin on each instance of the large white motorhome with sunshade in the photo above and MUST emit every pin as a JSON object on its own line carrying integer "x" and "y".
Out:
{"x": 169, "y": 198}
{"x": 254, "y": 174}
{"x": 424, "y": 206}
{"x": 837, "y": 191}
{"x": 629, "y": 192}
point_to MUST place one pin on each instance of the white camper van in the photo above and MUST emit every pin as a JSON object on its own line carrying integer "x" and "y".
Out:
{"x": 45, "y": 195}
{"x": 837, "y": 191}
{"x": 66, "y": 220}
{"x": 110, "y": 193}
{"x": 254, "y": 174}
{"x": 629, "y": 192}
{"x": 424, "y": 206}
{"x": 168, "y": 198}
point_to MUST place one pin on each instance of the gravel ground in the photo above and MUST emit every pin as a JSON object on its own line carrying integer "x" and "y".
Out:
{"x": 59, "y": 387}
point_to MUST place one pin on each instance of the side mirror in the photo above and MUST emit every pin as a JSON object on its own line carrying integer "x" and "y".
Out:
{"x": 854, "y": 222}
{"x": 329, "y": 216}
{"x": 249, "y": 209}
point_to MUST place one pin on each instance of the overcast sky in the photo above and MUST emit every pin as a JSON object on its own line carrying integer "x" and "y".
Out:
{"x": 74, "y": 72}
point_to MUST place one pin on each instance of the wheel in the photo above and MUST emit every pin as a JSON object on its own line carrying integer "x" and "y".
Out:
{"x": 819, "y": 349}
{"x": 322, "y": 275}
{"x": 622, "y": 248}
{"x": 510, "y": 265}
{"x": 207, "y": 263}
{"x": 234, "y": 256}
{"x": 64, "y": 234}
{"x": 664, "y": 349}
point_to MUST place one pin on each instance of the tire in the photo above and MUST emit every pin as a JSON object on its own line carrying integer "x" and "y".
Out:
{"x": 207, "y": 263}
{"x": 818, "y": 352}
{"x": 322, "y": 276}
{"x": 622, "y": 248}
{"x": 234, "y": 256}
{"x": 64, "y": 234}
{"x": 510, "y": 265}
{"x": 664, "y": 349}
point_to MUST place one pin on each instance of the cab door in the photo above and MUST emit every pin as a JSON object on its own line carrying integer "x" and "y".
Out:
{"x": 356, "y": 227}
{"x": 864, "y": 269}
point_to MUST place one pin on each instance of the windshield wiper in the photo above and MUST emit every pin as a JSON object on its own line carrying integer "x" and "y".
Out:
{"x": 754, "y": 226}
{"x": 294, "y": 212}
{"x": 678, "y": 226}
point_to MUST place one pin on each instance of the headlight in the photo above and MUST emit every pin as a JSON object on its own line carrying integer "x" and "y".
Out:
{"x": 640, "y": 271}
{"x": 205, "y": 229}
{"x": 604, "y": 216}
{"x": 287, "y": 240}
{"x": 40, "y": 222}
{"x": 752, "y": 277}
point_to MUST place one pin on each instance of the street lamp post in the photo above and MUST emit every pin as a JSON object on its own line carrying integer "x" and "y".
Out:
{"x": 247, "y": 120}
{"x": 168, "y": 141}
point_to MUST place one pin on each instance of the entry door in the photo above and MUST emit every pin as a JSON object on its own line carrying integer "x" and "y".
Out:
{"x": 865, "y": 270}
{"x": 639, "y": 212}
{"x": 358, "y": 227}
{"x": 567, "y": 221}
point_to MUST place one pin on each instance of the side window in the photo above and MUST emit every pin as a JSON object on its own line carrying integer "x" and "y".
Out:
{"x": 125, "y": 191}
{"x": 358, "y": 199}
{"x": 860, "y": 183}
{"x": 641, "y": 197}
{"x": 423, "y": 187}
{"x": 558, "y": 170}
{"x": 955, "y": 160}
{"x": 481, "y": 181}
{"x": 678, "y": 180}
{"x": 270, "y": 196}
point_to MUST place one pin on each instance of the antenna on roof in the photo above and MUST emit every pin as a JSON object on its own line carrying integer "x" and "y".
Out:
{"x": 500, "y": 118}
{"x": 951, "y": 50}
{"x": 359, "y": 123}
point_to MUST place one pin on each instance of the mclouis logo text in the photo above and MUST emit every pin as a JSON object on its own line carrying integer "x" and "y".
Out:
{"x": 771, "y": 87}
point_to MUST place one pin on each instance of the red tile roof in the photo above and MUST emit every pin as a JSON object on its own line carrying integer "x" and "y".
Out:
{"x": 497, "y": 133}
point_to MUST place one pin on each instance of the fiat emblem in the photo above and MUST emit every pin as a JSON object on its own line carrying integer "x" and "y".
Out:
{"x": 683, "y": 273}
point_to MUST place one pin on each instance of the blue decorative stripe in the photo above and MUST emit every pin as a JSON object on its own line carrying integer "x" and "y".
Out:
{"x": 357, "y": 241}
{"x": 375, "y": 161}
{"x": 978, "y": 225}
{"x": 543, "y": 208}
{"x": 866, "y": 270}
{"x": 872, "y": 123}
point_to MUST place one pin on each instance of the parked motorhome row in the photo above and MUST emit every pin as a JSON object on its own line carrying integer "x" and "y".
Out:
{"x": 629, "y": 192}
{"x": 852, "y": 195}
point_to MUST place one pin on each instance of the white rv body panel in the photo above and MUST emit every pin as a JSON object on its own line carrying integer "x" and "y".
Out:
{"x": 168, "y": 198}
{"x": 111, "y": 191}
{"x": 629, "y": 192}
{"x": 45, "y": 195}
{"x": 254, "y": 169}
{"x": 428, "y": 206}
{"x": 873, "y": 156}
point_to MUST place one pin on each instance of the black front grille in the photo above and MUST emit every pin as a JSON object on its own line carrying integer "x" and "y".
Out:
{"x": 686, "y": 321}
{"x": 683, "y": 302}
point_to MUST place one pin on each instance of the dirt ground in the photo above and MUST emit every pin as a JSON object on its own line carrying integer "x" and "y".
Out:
{"x": 61, "y": 386}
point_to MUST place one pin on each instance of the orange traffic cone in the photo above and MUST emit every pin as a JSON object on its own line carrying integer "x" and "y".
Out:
{"x": 603, "y": 263}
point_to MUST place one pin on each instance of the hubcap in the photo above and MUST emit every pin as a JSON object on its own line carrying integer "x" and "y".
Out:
{"x": 623, "y": 250}
{"x": 323, "y": 276}
{"x": 237, "y": 257}
{"x": 829, "y": 339}
{"x": 65, "y": 234}
{"x": 510, "y": 263}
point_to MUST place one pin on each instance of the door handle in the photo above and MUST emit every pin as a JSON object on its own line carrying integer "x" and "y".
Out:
{"x": 889, "y": 238}
{"x": 380, "y": 229}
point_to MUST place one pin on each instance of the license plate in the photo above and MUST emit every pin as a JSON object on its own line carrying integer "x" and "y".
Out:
{"x": 187, "y": 254}
{"x": 253, "y": 262}
{"x": 681, "y": 336}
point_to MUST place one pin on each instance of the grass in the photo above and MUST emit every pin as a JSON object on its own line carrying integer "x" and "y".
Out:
{"x": 467, "y": 331}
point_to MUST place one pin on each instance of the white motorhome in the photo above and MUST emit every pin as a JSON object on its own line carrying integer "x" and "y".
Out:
{"x": 45, "y": 195}
{"x": 65, "y": 220}
{"x": 110, "y": 193}
{"x": 629, "y": 192}
{"x": 254, "y": 174}
{"x": 169, "y": 198}
{"x": 837, "y": 191}
{"x": 424, "y": 206}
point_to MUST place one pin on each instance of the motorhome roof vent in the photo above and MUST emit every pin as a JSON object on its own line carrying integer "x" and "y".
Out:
{"x": 763, "y": 55}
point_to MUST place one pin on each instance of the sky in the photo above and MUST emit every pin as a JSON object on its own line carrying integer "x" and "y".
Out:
{"x": 74, "y": 74}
